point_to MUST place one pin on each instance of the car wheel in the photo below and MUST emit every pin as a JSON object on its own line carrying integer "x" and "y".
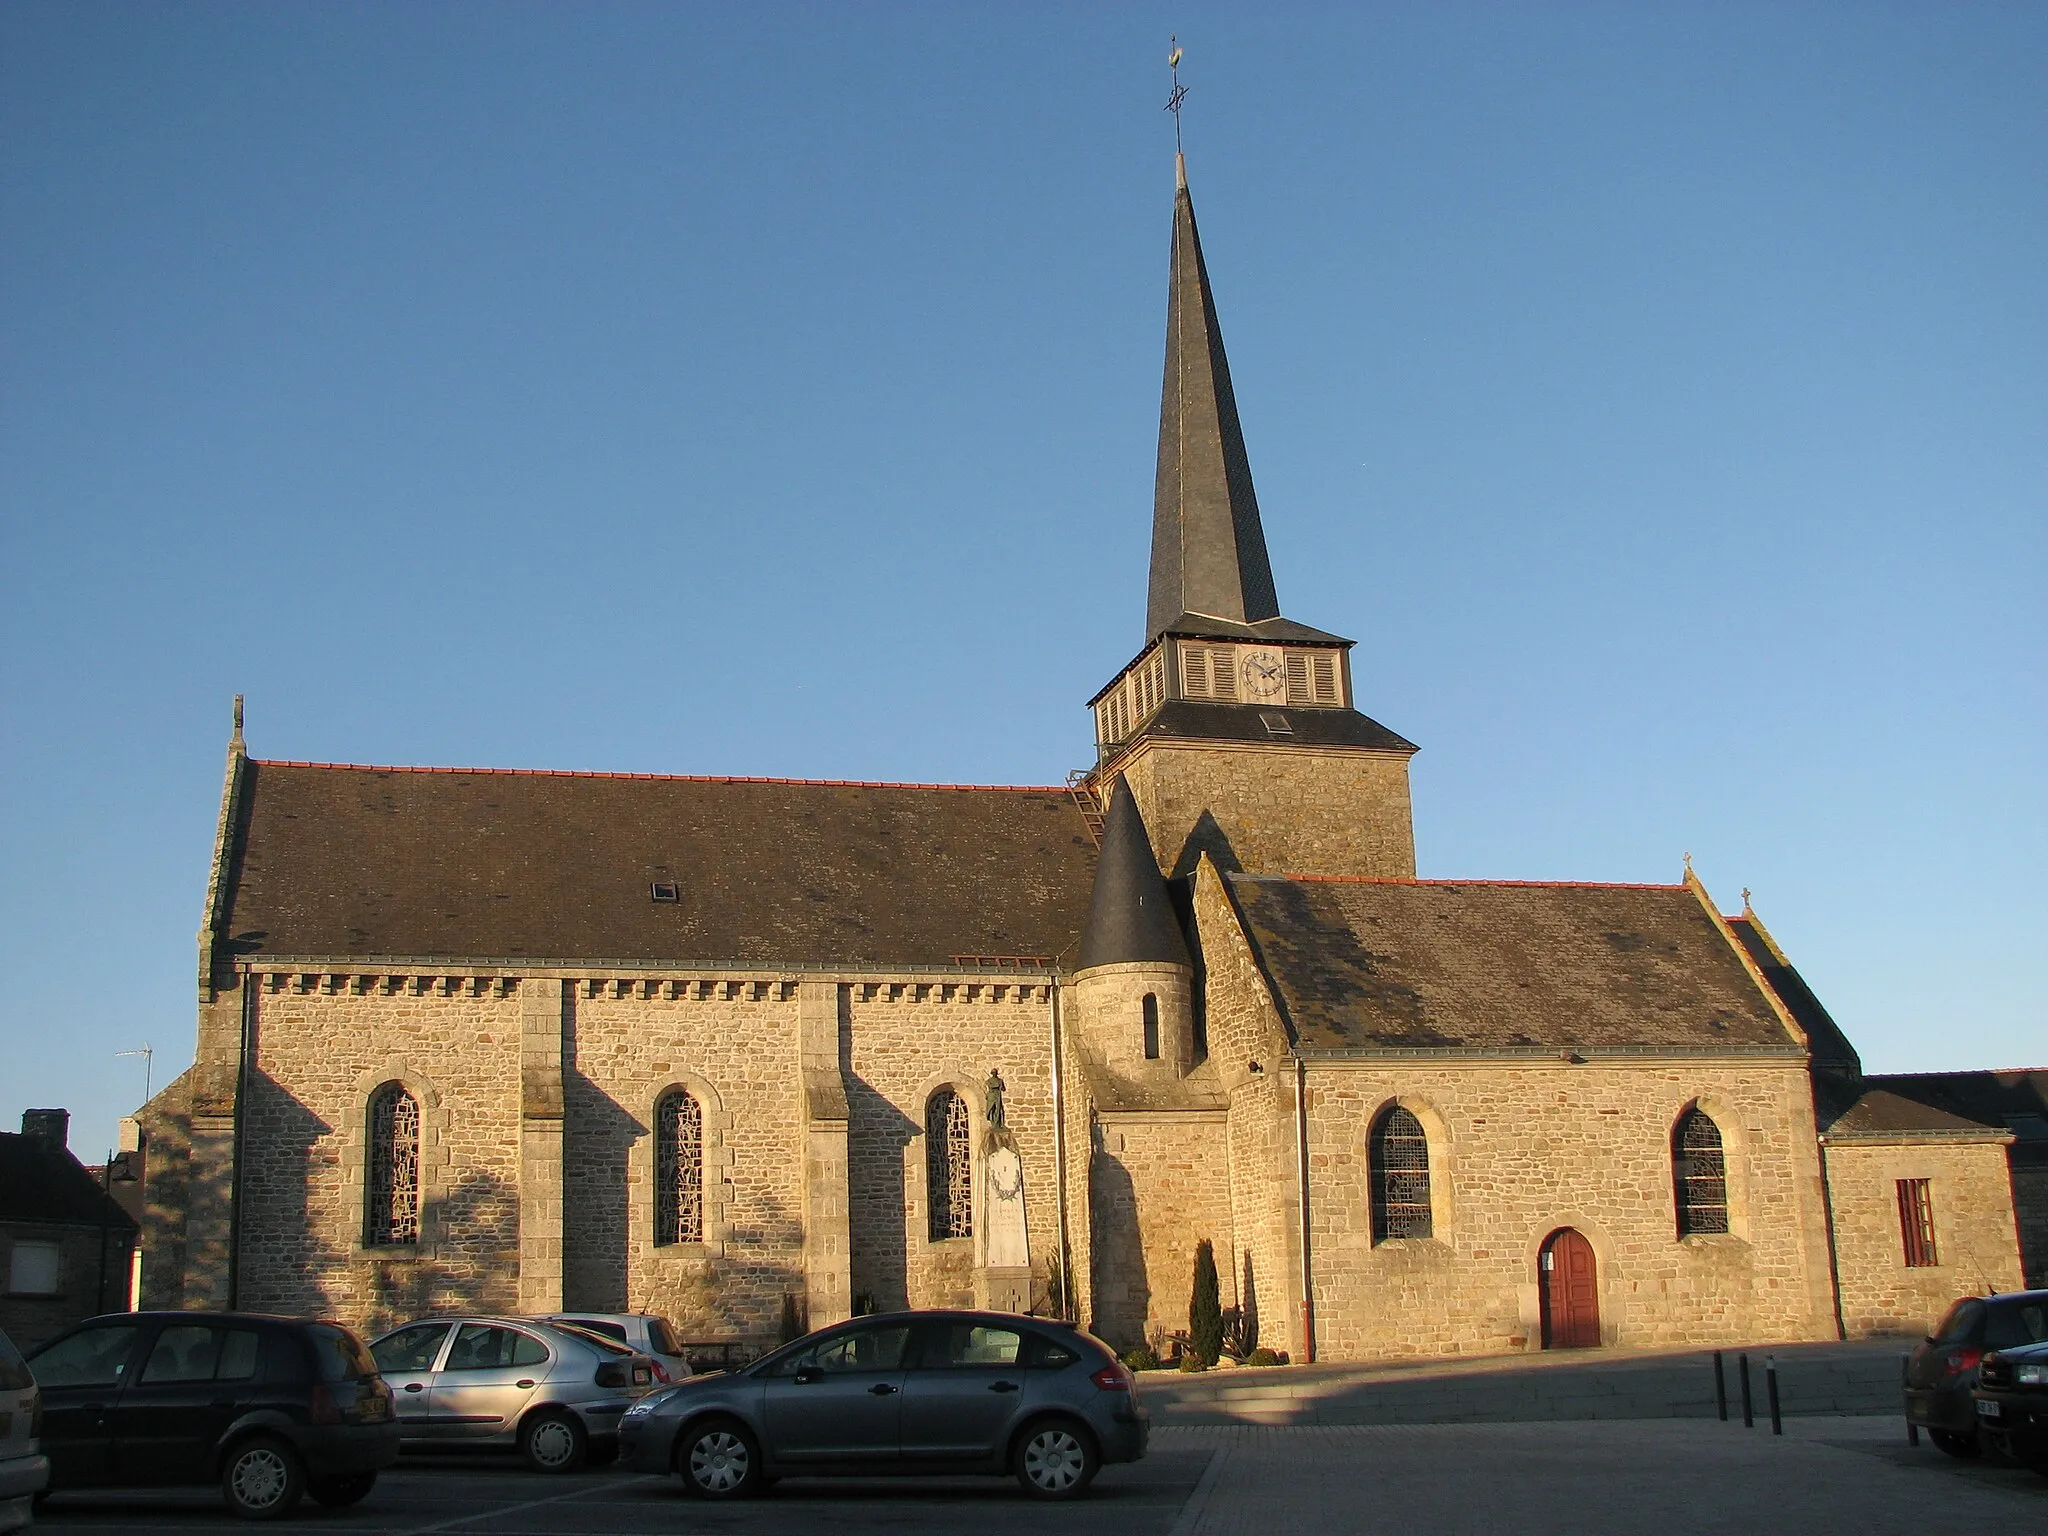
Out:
{"x": 262, "y": 1478}
{"x": 342, "y": 1490}
{"x": 719, "y": 1459}
{"x": 553, "y": 1442}
{"x": 1965, "y": 1445}
{"x": 1056, "y": 1461}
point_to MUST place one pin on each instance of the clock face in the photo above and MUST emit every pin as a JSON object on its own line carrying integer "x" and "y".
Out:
{"x": 1263, "y": 674}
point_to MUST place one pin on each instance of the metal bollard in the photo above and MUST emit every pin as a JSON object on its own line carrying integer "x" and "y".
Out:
{"x": 1720, "y": 1388}
{"x": 1771, "y": 1392}
{"x": 1748, "y": 1408}
{"x": 1912, "y": 1429}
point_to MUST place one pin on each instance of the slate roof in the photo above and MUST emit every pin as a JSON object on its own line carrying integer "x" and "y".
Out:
{"x": 1878, "y": 1112}
{"x": 1187, "y": 720}
{"x": 1130, "y": 917}
{"x": 1208, "y": 547}
{"x": 342, "y": 861}
{"x": 45, "y": 1184}
{"x": 2015, "y": 1101}
{"x": 1831, "y": 1048}
{"x": 1393, "y": 964}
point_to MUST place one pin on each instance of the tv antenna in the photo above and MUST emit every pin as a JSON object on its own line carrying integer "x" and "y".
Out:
{"x": 148, "y": 1056}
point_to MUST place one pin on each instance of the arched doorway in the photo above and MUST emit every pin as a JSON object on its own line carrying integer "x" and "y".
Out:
{"x": 1569, "y": 1279}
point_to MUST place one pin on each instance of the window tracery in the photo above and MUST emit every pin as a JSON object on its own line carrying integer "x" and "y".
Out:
{"x": 949, "y": 1164}
{"x": 678, "y": 1168}
{"x": 392, "y": 1189}
{"x": 1398, "y": 1156}
{"x": 1699, "y": 1174}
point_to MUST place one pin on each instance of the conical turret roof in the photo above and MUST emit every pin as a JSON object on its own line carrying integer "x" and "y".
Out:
{"x": 1131, "y": 919}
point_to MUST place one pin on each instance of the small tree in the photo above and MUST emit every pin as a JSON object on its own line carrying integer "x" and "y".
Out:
{"x": 1205, "y": 1307}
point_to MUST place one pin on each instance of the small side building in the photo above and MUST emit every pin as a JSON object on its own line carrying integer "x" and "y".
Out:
{"x": 66, "y": 1246}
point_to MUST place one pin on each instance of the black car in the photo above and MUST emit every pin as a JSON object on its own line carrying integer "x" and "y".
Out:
{"x": 271, "y": 1407}
{"x": 2012, "y": 1403}
{"x": 1943, "y": 1368}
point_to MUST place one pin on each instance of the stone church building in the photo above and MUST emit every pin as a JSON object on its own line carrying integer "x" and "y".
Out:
{"x": 751, "y": 1052}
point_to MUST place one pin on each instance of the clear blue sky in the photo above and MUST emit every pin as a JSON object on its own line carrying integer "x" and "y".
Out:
{"x": 1656, "y": 392}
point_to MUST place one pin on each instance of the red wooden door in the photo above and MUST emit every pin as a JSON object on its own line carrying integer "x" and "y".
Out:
{"x": 1571, "y": 1292}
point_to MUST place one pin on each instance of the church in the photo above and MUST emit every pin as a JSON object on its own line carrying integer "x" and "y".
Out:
{"x": 762, "y": 1053}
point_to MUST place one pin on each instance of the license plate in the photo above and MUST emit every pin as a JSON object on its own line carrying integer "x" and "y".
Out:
{"x": 1990, "y": 1410}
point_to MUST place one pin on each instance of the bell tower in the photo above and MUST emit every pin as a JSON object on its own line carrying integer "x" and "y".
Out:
{"x": 1235, "y": 728}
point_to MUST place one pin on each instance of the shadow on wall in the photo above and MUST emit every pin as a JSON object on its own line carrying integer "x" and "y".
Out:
{"x": 1122, "y": 1288}
{"x": 597, "y": 1149}
{"x": 878, "y": 1137}
{"x": 468, "y": 1259}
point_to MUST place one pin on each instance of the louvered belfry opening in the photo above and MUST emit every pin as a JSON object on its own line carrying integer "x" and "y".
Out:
{"x": 678, "y": 1169}
{"x": 392, "y": 1190}
{"x": 1700, "y": 1173}
{"x": 1916, "y": 1223}
{"x": 949, "y": 1164}
{"x": 1398, "y": 1153}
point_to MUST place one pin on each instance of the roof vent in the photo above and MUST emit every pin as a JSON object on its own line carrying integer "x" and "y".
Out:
{"x": 1276, "y": 724}
{"x": 665, "y": 890}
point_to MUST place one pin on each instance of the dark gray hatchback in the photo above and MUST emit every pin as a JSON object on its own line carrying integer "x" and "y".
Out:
{"x": 1943, "y": 1368}
{"x": 904, "y": 1394}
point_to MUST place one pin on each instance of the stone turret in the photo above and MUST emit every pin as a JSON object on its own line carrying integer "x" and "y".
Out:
{"x": 1134, "y": 983}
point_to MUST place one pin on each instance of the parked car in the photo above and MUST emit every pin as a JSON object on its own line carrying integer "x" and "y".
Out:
{"x": 2012, "y": 1403}
{"x": 911, "y": 1392}
{"x": 271, "y": 1407}
{"x": 24, "y": 1469}
{"x": 491, "y": 1383}
{"x": 1943, "y": 1368}
{"x": 641, "y": 1332}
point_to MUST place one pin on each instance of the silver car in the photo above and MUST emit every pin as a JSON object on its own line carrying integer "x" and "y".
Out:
{"x": 907, "y": 1393}
{"x": 506, "y": 1382}
{"x": 642, "y": 1331}
{"x": 24, "y": 1469}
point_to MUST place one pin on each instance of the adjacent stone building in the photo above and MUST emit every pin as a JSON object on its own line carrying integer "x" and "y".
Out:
{"x": 66, "y": 1245}
{"x": 754, "y": 1053}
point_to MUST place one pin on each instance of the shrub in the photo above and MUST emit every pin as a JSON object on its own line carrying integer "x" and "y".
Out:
{"x": 1140, "y": 1358}
{"x": 1263, "y": 1357}
{"x": 1192, "y": 1362}
{"x": 1205, "y": 1307}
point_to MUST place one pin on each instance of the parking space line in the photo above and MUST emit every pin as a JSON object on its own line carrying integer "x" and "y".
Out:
{"x": 513, "y": 1509}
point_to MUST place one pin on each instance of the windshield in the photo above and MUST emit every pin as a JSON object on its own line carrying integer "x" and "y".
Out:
{"x": 14, "y": 1376}
{"x": 584, "y": 1334}
{"x": 339, "y": 1353}
{"x": 2012, "y": 1324}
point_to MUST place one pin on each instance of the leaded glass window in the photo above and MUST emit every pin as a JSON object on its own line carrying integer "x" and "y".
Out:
{"x": 392, "y": 1190}
{"x": 1398, "y": 1155}
{"x": 678, "y": 1169}
{"x": 1699, "y": 1173}
{"x": 949, "y": 1164}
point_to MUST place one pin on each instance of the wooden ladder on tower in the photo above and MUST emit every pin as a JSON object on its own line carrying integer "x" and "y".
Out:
{"x": 1084, "y": 801}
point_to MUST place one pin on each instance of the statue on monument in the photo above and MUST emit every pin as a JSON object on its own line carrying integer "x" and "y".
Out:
{"x": 1008, "y": 1254}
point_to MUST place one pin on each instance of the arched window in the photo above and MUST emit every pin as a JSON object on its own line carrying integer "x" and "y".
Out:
{"x": 1398, "y": 1155}
{"x": 1150, "y": 1009}
{"x": 1699, "y": 1174}
{"x": 391, "y": 1216}
{"x": 678, "y": 1169}
{"x": 949, "y": 1165}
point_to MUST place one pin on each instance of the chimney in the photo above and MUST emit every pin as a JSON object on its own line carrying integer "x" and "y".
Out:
{"x": 52, "y": 1127}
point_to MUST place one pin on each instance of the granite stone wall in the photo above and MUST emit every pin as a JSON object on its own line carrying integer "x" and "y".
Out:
{"x": 1976, "y": 1244}
{"x": 1518, "y": 1150}
{"x": 1275, "y": 810}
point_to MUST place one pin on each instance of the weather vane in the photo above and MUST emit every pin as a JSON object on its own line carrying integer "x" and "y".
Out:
{"x": 1180, "y": 92}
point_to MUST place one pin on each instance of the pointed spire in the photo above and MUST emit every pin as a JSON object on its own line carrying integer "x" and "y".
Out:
{"x": 235, "y": 743}
{"x": 1208, "y": 549}
{"x": 1131, "y": 918}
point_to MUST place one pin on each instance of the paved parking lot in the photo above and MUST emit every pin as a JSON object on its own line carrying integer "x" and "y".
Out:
{"x": 1653, "y": 1477}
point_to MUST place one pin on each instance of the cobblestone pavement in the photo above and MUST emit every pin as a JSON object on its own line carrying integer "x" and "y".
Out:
{"x": 1862, "y": 1377}
{"x": 1659, "y": 1477}
{"x": 1655, "y": 1477}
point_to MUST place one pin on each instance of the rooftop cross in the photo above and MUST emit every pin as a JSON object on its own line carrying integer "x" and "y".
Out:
{"x": 1180, "y": 92}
